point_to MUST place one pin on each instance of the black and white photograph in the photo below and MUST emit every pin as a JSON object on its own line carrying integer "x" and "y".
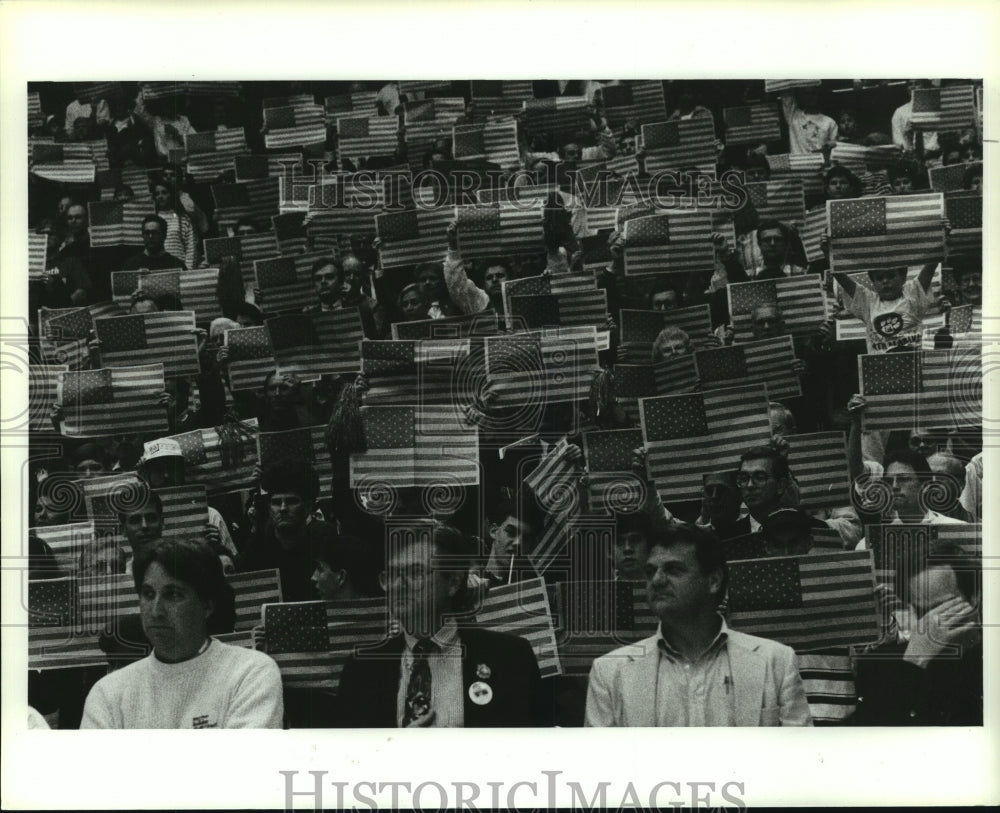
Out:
{"x": 350, "y": 400}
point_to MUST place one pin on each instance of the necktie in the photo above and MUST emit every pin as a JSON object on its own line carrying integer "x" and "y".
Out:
{"x": 418, "y": 689}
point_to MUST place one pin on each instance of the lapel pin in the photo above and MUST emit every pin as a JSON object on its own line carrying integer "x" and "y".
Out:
{"x": 480, "y": 693}
{"x": 483, "y": 672}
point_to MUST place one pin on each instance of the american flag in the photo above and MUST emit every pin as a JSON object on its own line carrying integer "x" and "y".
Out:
{"x": 63, "y": 334}
{"x": 90, "y": 92}
{"x": 360, "y": 136}
{"x": 285, "y": 283}
{"x": 163, "y": 90}
{"x": 806, "y": 602}
{"x": 900, "y": 549}
{"x": 642, "y": 327}
{"x": 436, "y": 371}
{"x": 146, "y": 338}
{"x": 964, "y": 211}
{"x": 416, "y": 446}
{"x": 196, "y": 288}
{"x": 257, "y": 200}
{"x": 294, "y": 126}
{"x": 290, "y": 232}
{"x": 800, "y": 299}
{"x": 941, "y": 109}
{"x": 892, "y": 232}
{"x": 63, "y": 163}
{"x": 319, "y": 343}
{"x": 123, "y": 285}
{"x": 429, "y": 120}
{"x": 965, "y": 319}
{"x": 779, "y": 85}
{"x": 752, "y": 124}
{"x": 135, "y": 178}
{"x": 642, "y": 102}
{"x": 952, "y": 177}
{"x": 245, "y": 250}
{"x": 610, "y": 481}
{"x": 782, "y": 200}
{"x": 412, "y": 236}
{"x": 251, "y": 357}
{"x": 679, "y": 145}
{"x": 222, "y": 466}
{"x": 567, "y": 115}
{"x": 484, "y": 323}
{"x": 493, "y": 141}
{"x": 311, "y": 640}
{"x": 56, "y": 639}
{"x": 297, "y": 101}
{"x": 931, "y": 389}
{"x": 105, "y": 598}
{"x": 677, "y": 242}
{"x": 42, "y": 394}
{"x": 689, "y": 435}
{"x": 635, "y": 381}
{"x": 768, "y": 361}
{"x": 811, "y": 233}
{"x": 552, "y": 477}
{"x": 522, "y": 608}
{"x": 35, "y": 115}
{"x": 806, "y": 166}
{"x": 410, "y": 87}
{"x": 597, "y": 617}
{"x": 500, "y": 97}
{"x": 490, "y": 230}
{"x": 38, "y": 253}
{"x": 68, "y": 542}
{"x": 554, "y": 300}
{"x": 117, "y": 224}
{"x": 112, "y": 401}
{"x": 211, "y": 153}
{"x": 297, "y": 446}
{"x": 861, "y": 159}
{"x": 818, "y": 461}
{"x": 542, "y": 367}
{"x": 602, "y": 198}
{"x": 359, "y": 103}
{"x": 259, "y": 167}
{"x": 185, "y": 508}
{"x": 103, "y": 496}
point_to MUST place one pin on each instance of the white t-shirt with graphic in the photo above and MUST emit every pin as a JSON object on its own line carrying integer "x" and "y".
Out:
{"x": 894, "y": 323}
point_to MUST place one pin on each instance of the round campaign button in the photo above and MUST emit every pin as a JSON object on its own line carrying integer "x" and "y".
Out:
{"x": 480, "y": 693}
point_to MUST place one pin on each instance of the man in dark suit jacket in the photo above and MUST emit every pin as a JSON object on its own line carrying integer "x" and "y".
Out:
{"x": 436, "y": 673}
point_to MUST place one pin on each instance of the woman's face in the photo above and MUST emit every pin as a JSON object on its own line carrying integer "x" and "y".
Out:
{"x": 838, "y": 187}
{"x": 161, "y": 197}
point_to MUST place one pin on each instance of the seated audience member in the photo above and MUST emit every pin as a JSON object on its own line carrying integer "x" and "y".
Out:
{"x": 695, "y": 671}
{"x": 671, "y": 342}
{"x": 411, "y": 303}
{"x": 722, "y": 508}
{"x": 935, "y": 677}
{"x": 633, "y": 533}
{"x": 510, "y": 539}
{"x": 664, "y": 297}
{"x": 153, "y": 256}
{"x": 809, "y": 130}
{"x": 430, "y": 278}
{"x": 435, "y": 673}
{"x": 189, "y": 680}
{"x": 348, "y": 568}
{"x": 288, "y": 536}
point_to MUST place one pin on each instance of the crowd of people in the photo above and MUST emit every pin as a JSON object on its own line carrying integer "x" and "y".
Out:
{"x": 334, "y": 539}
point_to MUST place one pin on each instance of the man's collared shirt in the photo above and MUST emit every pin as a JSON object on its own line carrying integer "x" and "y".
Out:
{"x": 447, "y": 698}
{"x": 698, "y": 692}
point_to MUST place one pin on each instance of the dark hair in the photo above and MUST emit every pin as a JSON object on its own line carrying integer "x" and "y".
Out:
{"x": 843, "y": 172}
{"x": 779, "y": 465}
{"x": 709, "y": 551}
{"x": 323, "y": 262}
{"x": 155, "y": 219}
{"x": 756, "y": 161}
{"x": 770, "y": 224}
{"x": 291, "y": 477}
{"x": 194, "y": 562}
{"x": 663, "y": 286}
{"x": 970, "y": 173}
{"x": 900, "y": 170}
{"x": 908, "y": 457}
{"x": 250, "y": 310}
{"x": 361, "y": 560}
{"x": 638, "y": 522}
{"x": 437, "y": 268}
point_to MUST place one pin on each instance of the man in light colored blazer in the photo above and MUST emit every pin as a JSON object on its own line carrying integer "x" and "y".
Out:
{"x": 695, "y": 671}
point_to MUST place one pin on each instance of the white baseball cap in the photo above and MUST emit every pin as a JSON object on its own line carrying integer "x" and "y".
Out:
{"x": 162, "y": 447}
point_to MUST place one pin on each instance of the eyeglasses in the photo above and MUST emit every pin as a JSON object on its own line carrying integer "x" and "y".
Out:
{"x": 772, "y": 241}
{"x": 758, "y": 478}
{"x": 412, "y": 575}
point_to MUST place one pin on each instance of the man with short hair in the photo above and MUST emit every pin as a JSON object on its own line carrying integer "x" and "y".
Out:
{"x": 288, "y": 536}
{"x": 722, "y": 506}
{"x": 141, "y": 524}
{"x": 695, "y": 671}
{"x": 435, "y": 673}
{"x": 153, "y": 256}
{"x": 763, "y": 479}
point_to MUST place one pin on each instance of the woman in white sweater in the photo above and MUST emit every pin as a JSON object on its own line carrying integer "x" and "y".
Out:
{"x": 189, "y": 680}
